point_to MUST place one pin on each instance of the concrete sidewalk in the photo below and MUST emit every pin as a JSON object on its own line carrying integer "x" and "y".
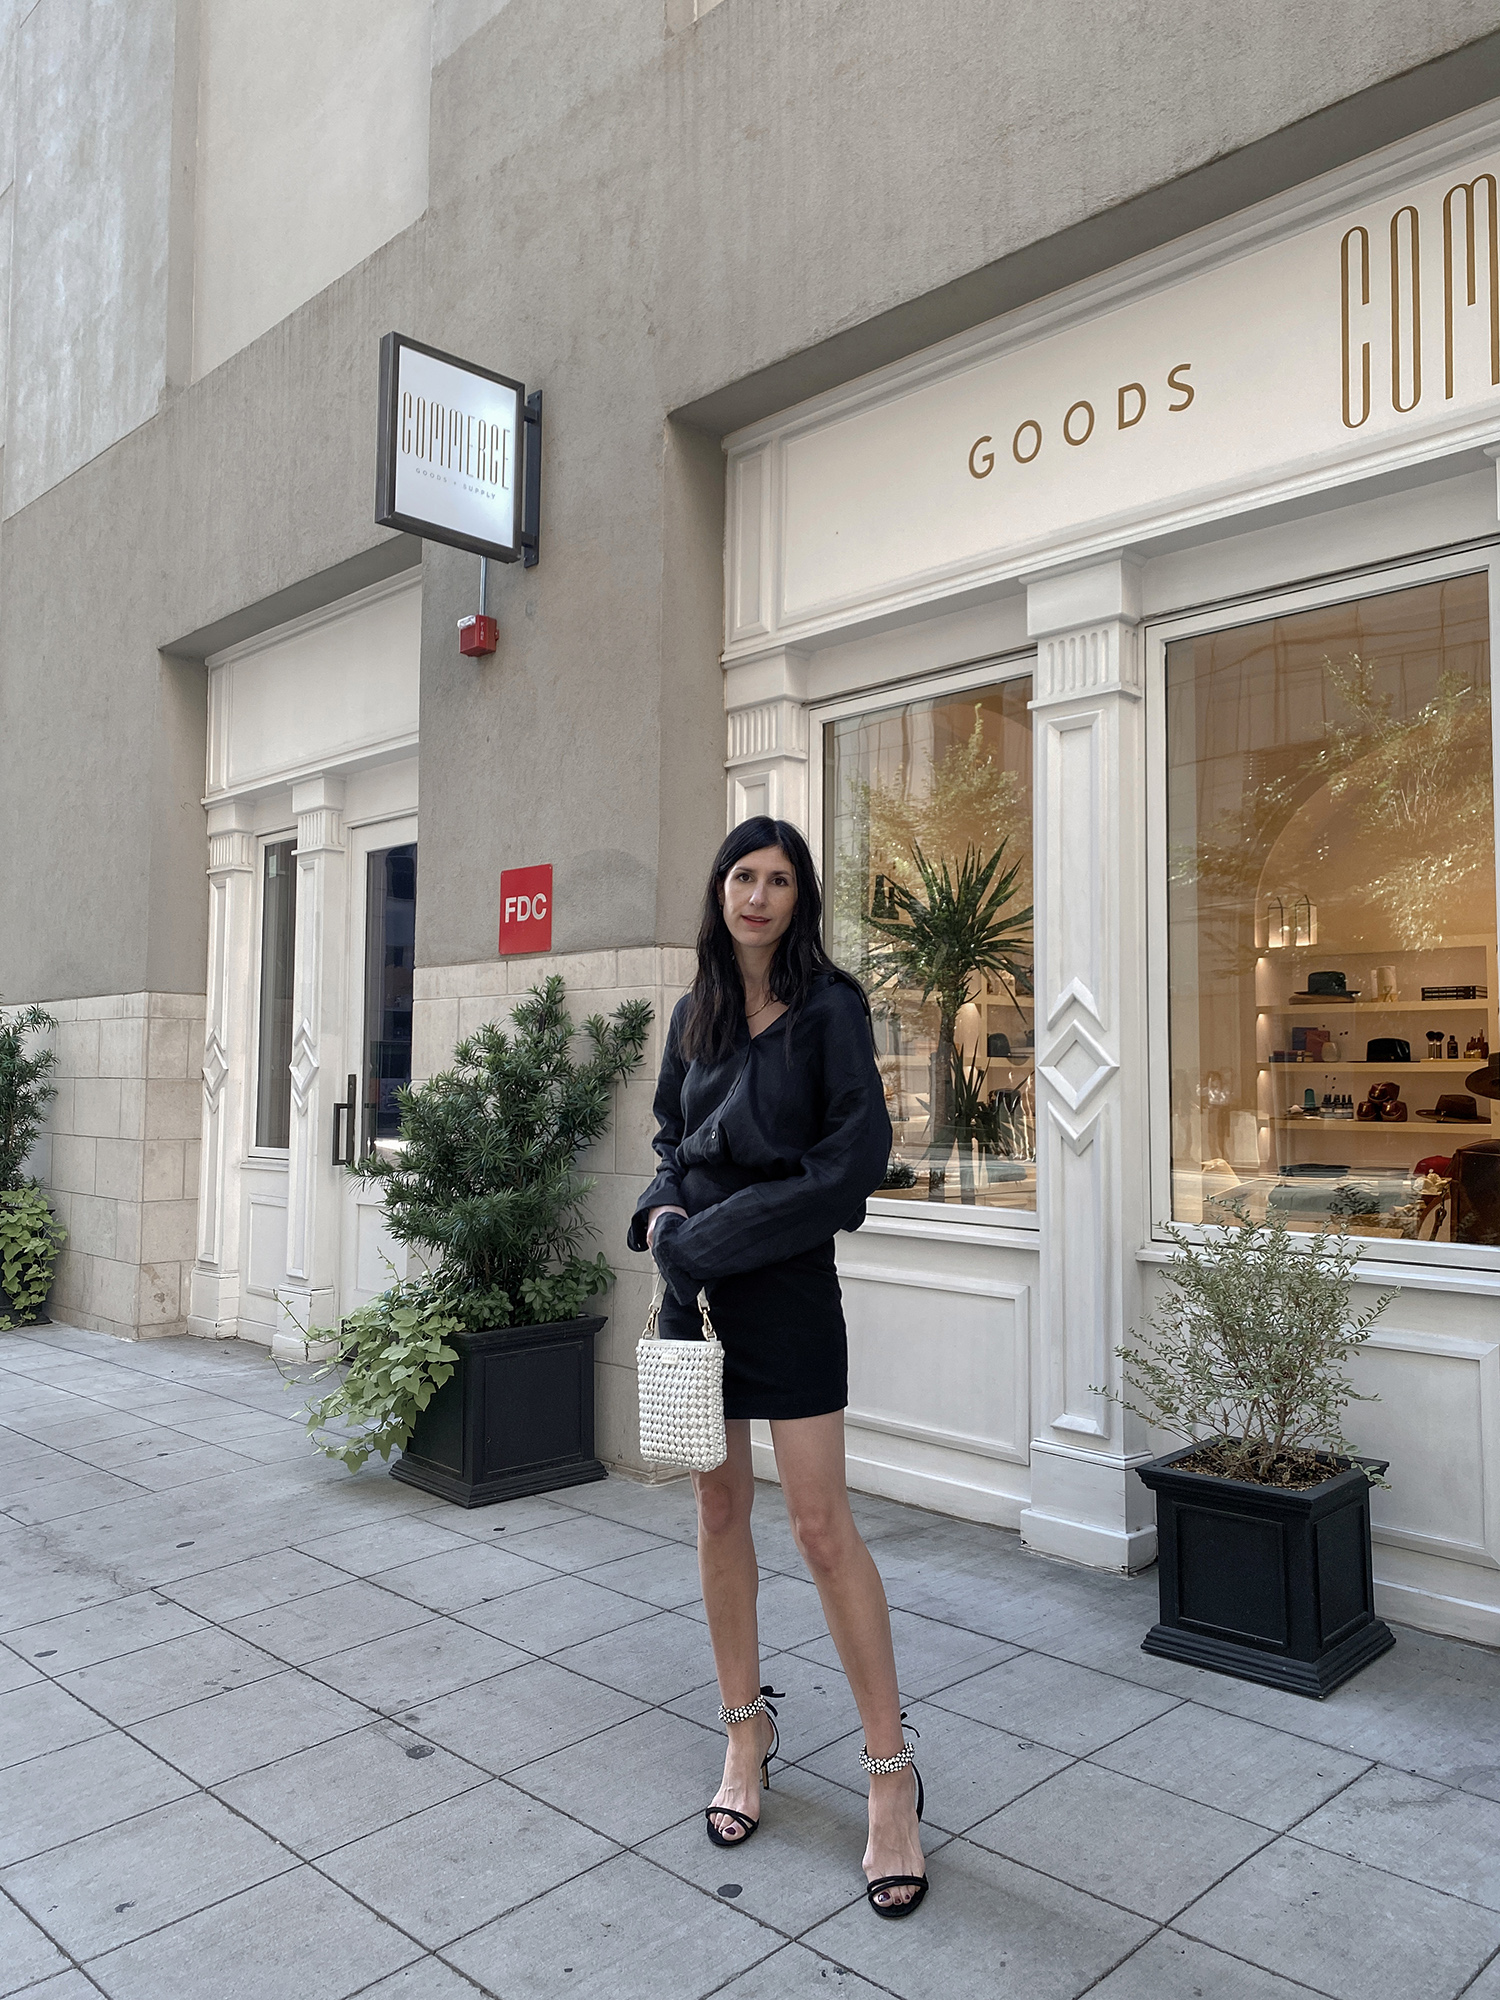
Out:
{"x": 270, "y": 1732}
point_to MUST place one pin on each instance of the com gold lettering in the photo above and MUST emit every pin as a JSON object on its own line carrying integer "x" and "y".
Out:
{"x": 1414, "y": 315}
{"x": 1470, "y": 192}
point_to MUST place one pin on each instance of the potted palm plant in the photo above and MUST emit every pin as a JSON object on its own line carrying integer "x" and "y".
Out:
{"x": 31, "y": 1237}
{"x": 935, "y": 939}
{"x": 1263, "y": 1516}
{"x": 480, "y": 1370}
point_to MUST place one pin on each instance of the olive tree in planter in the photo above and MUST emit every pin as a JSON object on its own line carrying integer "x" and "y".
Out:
{"x": 481, "y": 1371}
{"x": 1263, "y": 1518}
{"x": 30, "y": 1234}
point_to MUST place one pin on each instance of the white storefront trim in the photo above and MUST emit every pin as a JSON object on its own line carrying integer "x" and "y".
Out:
{"x": 868, "y": 561}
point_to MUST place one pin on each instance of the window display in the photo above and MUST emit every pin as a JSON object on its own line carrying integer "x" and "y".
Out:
{"x": 1331, "y": 911}
{"x": 927, "y": 811}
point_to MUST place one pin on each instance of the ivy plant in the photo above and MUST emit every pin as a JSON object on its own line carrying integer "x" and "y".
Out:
{"x": 30, "y": 1238}
{"x": 395, "y": 1356}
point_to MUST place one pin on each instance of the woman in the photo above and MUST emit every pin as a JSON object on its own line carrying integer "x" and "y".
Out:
{"x": 772, "y": 1130}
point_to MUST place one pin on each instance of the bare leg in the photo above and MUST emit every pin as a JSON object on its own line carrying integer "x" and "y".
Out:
{"x": 810, "y": 1459}
{"x": 730, "y": 1576}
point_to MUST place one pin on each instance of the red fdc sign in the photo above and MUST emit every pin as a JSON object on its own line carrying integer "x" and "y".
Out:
{"x": 526, "y": 909}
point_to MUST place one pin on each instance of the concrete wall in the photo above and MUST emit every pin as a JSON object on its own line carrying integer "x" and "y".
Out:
{"x": 641, "y": 218}
{"x": 93, "y": 295}
{"x": 292, "y": 99}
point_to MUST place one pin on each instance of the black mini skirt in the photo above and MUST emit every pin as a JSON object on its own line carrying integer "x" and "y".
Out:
{"x": 786, "y": 1353}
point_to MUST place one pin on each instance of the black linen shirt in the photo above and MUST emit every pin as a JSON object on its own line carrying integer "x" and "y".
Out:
{"x": 769, "y": 1156}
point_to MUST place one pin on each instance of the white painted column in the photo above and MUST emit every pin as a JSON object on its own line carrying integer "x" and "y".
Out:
{"x": 766, "y": 760}
{"x": 1086, "y": 1503}
{"x": 214, "y": 1288}
{"x": 318, "y": 1062}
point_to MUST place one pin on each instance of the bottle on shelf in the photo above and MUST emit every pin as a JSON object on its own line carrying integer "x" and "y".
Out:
{"x": 1453, "y": 1048}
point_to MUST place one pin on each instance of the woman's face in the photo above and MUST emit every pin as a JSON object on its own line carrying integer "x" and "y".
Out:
{"x": 758, "y": 896}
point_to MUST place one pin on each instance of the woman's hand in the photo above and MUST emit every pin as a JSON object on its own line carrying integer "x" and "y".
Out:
{"x": 651, "y": 1220}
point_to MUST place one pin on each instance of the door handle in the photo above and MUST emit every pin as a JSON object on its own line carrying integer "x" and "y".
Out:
{"x": 343, "y": 1154}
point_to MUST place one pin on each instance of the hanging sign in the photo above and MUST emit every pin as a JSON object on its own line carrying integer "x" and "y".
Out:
{"x": 526, "y": 909}
{"x": 458, "y": 456}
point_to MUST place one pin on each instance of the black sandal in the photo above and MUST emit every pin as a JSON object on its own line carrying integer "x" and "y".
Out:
{"x": 760, "y": 1706}
{"x": 883, "y": 1767}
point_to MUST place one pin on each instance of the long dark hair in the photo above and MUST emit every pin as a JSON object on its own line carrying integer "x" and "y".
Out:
{"x": 718, "y": 990}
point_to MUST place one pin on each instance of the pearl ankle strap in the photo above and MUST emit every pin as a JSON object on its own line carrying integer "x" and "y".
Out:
{"x": 760, "y": 1706}
{"x": 882, "y": 1767}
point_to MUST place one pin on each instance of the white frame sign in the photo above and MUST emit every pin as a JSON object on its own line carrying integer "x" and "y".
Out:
{"x": 450, "y": 460}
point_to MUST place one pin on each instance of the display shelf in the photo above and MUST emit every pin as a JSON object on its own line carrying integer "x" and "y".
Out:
{"x": 1366, "y": 1126}
{"x": 1343, "y": 1008}
{"x": 1423, "y": 1063}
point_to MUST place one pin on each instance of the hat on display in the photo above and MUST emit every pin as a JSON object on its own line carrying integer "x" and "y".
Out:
{"x": 1486, "y": 1081}
{"x": 1325, "y": 982}
{"x": 1454, "y": 1108}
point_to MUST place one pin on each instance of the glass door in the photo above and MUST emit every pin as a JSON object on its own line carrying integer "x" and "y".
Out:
{"x": 382, "y": 946}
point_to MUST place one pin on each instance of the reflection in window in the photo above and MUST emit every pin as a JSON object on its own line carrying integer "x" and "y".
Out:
{"x": 1332, "y": 916}
{"x": 927, "y": 841}
{"x": 278, "y": 923}
{"x": 390, "y": 953}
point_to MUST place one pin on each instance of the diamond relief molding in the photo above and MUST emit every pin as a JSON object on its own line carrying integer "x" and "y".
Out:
{"x": 1076, "y": 1066}
{"x": 215, "y": 1069}
{"x": 304, "y": 1066}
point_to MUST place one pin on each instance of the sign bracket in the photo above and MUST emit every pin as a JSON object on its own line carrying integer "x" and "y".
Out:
{"x": 531, "y": 496}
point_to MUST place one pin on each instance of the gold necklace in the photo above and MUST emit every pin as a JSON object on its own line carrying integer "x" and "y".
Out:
{"x": 750, "y": 1016}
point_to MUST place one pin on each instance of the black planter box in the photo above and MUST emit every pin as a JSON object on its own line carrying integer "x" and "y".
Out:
{"x": 515, "y": 1416}
{"x": 1262, "y": 1582}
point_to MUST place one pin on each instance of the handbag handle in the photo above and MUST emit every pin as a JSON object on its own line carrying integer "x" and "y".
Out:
{"x": 659, "y": 1293}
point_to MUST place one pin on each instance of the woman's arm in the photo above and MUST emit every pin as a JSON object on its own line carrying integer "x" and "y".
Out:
{"x": 651, "y": 1220}
{"x": 773, "y": 1220}
{"x": 666, "y": 1190}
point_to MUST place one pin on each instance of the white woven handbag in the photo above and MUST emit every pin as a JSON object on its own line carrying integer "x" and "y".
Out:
{"x": 681, "y": 1388}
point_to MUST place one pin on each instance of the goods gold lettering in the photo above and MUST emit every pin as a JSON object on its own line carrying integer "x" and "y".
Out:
{"x": 1088, "y": 432}
{"x": 1080, "y": 422}
{"x": 1470, "y": 192}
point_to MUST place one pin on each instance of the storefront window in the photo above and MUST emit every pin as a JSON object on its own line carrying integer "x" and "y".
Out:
{"x": 1331, "y": 838}
{"x": 927, "y": 810}
{"x": 278, "y": 925}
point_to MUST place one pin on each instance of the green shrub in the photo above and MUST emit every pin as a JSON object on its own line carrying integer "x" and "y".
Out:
{"x": 1250, "y": 1345}
{"x": 30, "y": 1234}
{"x": 24, "y": 1088}
{"x": 485, "y": 1185}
